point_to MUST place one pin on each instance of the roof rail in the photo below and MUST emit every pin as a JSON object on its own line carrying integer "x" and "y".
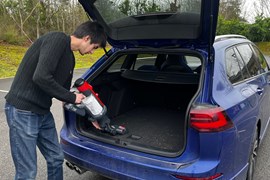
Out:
{"x": 228, "y": 36}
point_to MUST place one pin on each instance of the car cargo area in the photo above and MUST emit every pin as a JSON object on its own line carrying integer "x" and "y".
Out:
{"x": 151, "y": 105}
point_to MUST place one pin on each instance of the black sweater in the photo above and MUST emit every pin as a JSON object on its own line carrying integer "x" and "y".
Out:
{"x": 45, "y": 72}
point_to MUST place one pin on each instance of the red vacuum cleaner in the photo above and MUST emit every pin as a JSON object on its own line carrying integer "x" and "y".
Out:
{"x": 94, "y": 108}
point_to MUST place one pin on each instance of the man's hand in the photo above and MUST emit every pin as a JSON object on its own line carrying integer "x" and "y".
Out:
{"x": 79, "y": 98}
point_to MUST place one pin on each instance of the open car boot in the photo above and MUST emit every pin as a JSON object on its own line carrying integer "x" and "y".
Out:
{"x": 104, "y": 125}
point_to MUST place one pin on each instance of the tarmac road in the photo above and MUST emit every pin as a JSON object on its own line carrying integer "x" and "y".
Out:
{"x": 262, "y": 171}
{"x": 6, "y": 164}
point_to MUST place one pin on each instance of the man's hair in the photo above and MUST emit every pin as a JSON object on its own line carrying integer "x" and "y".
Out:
{"x": 92, "y": 29}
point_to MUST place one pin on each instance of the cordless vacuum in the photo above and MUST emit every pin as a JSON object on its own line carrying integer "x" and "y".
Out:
{"x": 93, "y": 108}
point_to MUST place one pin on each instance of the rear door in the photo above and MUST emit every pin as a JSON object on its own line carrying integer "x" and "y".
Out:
{"x": 263, "y": 90}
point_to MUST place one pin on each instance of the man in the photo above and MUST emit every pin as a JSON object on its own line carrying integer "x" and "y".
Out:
{"x": 45, "y": 72}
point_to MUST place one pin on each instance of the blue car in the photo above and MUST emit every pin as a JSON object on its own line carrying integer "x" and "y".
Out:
{"x": 195, "y": 105}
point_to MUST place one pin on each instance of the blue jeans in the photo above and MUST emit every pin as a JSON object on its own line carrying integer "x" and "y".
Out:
{"x": 28, "y": 130}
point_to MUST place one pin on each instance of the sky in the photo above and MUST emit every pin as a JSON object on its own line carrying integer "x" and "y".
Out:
{"x": 249, "y": 10}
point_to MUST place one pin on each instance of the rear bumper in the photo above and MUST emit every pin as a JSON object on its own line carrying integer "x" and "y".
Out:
{"x": 113, "y": 162}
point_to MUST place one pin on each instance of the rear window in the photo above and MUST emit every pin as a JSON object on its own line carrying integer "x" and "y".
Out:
{"x": 151, "y": 62}
{"x": 249, "y": 59}
{"x": 261, "y": 59}
{"x": 242, "y": 63}
{"x": 114, "y": 10}
{"x": 234, "y": 72}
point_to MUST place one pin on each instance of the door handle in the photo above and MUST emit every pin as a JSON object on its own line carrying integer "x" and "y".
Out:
{"x": 260, "y": 91}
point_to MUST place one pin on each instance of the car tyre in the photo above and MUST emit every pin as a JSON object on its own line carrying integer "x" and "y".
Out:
{"x": 253, "y": 155}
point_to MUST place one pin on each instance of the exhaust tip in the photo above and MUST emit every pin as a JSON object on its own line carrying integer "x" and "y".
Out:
{"x": 70, "y": 165}
{"x": 74, "y": 167}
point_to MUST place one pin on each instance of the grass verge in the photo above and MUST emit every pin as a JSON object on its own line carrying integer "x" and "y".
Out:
{"x": 11, "y": 56}
{"x": 264, "y": 47}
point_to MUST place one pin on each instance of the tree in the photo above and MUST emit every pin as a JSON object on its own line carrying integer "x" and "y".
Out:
{"x": 232, "y": 26}
{"x": 125, "y": 7}
{"x": 19, "y": 13}
{"x": 230, "y": 9}
{"x": 262, "y": 8}
{"x": 151, "y": 7}
{"x": 260, "y": 30}
{"x": 137, "y": 7}
{"x": 174, "y": 6}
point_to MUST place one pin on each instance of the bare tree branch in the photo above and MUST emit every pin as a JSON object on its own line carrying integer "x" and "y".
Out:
{"x": 30, "y": 14}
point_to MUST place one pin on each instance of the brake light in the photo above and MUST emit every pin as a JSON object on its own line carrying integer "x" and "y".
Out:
{"x": 209, "y": 119}
{"x": 197, "y": 178}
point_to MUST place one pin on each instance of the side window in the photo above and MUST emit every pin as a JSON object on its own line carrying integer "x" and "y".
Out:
{"x": 261, "y": 59}
{"x": 193, "y": 62}
{"x": 117, "y": 65}
{"x": 243, "y": 67}
{"x": 233, "y": 67}
{"x": 249, "y": 59}
{"x": 134, "y": 62}
{"x": 145, "y": 61}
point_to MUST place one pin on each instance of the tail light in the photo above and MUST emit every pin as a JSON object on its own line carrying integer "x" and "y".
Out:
{"x": 209, "y": 119}
{"x": 216, "y": 176}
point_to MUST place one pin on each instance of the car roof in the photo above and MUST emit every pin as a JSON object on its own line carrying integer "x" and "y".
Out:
{"x": 223, "y": 41}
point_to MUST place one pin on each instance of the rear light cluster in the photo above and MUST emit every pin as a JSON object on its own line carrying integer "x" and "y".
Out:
{"x": 209, "y": 119}
{"x": 216, "y": 176}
